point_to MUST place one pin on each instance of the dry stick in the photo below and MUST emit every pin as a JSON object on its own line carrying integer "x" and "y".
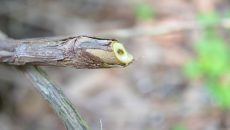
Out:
{"x": 62, "y": 106}
{"x": 79, "y": 52}
{"x": 151, "y": 30}
{"x": 161, "y": 29}
{"x": 57, "y": 99}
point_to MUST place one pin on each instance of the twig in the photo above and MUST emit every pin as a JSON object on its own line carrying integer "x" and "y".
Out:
{"x": 62, "y": 106}
{"x": 59, "y": 102}
{"x": 149, "y": 31}
{"x": 161, "y": 29}
{"x": 79, "y": 52}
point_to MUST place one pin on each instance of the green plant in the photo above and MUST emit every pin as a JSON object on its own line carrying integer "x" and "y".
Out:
{"x": 144, "y": 11}
{"x": 179, "y": 127}
{"x": 212, "y": 61}
{"x": 208, "y": 18}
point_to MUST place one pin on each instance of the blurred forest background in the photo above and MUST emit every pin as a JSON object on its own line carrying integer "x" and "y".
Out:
{"x": 180, "y": 79}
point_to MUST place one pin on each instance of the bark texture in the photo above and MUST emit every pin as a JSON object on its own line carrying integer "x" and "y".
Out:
{"x": 79, "y": 52}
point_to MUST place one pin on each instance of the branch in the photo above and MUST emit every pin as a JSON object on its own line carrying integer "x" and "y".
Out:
{"x": 63, "y": 107}
{"x": 79, "y": 52}
{"x": 162, "y": 29}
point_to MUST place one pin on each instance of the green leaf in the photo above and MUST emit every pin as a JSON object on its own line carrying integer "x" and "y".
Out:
{"x": 192, "y": 69}
{"x": 221, "y": 94}
{"x": 208, "y": 19}
{"x": 179, "y": 127}
{"x": 212, "y": 61}
{"x": 212, "y": 54}
{"x": 144, "y": 11}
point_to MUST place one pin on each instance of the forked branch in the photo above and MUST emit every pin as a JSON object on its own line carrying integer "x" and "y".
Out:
{"x": 78, "y": 52}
